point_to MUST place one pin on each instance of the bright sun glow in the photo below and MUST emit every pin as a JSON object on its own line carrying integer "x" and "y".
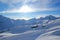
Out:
{"x": 25, "y": 18}
{"x": 25, "y": 9}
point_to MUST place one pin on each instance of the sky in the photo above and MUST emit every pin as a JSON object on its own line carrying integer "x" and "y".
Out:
{"x": 27, "y": 9}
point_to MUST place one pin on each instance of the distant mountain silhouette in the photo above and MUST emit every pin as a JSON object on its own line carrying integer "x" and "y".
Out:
{"x": 7, "y": 23}
{"x": 50, "y": 17}
{"x": 19, "y": 22}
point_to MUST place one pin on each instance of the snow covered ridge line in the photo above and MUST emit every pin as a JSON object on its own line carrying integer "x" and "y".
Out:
{"x": 54, "y": 28}
{"x": 51, "y": 37}
{"x": 49, "y": 32}
{"x": 6, "y": 34}
{"x": 28, "y": 35}
{"x": 51, "y": 17}
{"x": 47, "y": 35}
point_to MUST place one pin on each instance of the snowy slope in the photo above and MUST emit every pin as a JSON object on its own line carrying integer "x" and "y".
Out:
{"x": 49, "y": 34}
{"x": 29, "y": 35}
{"x": 51, "y": 31}
{"x": 52, "y": 35}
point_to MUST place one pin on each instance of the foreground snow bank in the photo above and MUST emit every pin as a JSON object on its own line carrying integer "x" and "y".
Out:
{"x": 52, "y": 35}
{"x": 28, "y": 35}
{"x": 7, "y": 34}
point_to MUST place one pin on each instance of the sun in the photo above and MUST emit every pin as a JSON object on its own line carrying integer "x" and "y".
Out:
{"x": 25, "y": 9}
{"x": 22, "y": 9}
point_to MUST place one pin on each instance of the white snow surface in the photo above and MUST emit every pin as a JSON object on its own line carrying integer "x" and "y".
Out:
{"x": 29, "y": 35}
{"x": 51, "y": 33}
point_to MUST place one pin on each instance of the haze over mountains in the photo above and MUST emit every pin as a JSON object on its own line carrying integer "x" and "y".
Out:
{"x": 7, "y": 24}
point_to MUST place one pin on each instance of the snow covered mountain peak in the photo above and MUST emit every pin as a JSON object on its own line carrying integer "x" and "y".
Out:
{"x": 50, "y": 17}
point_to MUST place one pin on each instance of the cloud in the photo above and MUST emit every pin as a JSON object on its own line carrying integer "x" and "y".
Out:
{"x": 38, "y": 5}
{"x": 15, "y": 18}
{"x": 11, "y": 1}
{"x": 34, "y": 3}
{"x": 26, "y": 10}
{"x": 55, "y": 4}
{"x": 23, "y": 9}
{"x": 26, "y": 18}
{"x": 16, "y": 1}
{"x": 42, "y": 15}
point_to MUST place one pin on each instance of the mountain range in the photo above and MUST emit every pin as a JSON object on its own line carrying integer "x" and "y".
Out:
{"x": 48, "y": 28}
{"x": 7, "y": 24}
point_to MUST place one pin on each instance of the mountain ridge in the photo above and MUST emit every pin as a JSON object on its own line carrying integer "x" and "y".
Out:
{"x": 7, "y": 23}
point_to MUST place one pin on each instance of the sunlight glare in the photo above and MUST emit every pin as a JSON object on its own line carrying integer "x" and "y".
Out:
{"x": 25, "y": 9}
